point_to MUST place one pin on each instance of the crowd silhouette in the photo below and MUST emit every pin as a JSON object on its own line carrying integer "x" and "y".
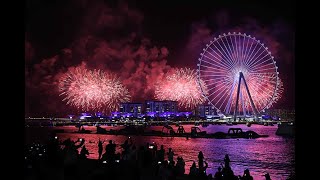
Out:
{"x": 62, "y": 160}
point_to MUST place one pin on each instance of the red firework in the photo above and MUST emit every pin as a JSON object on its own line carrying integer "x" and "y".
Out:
{"x": 181, "y": 85}
{"x": 92, "y": 90}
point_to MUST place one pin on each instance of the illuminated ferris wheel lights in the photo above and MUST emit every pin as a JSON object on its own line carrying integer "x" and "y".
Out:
{"x": 232, "y": 55}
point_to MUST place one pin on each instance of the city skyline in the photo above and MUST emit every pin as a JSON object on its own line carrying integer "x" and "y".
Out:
{"x": 140, "y": 43}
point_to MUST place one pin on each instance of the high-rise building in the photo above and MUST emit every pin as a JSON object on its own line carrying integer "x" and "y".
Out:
{"x": 131, "y": 109}
{"x": 284, "y": 114}
{"x": 205, "y": 110}
{"x": 160, "y": 108}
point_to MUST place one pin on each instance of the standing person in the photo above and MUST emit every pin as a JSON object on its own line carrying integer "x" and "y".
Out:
{"x": 218, "y": 174}
{"x": 267, "y": 176}
{"x": 200, "y": 158}
{"x": 100, "y": 146}
{"x": 84, "y": 153}
{"x": 160, "y": 154}
{"x": 226, "y": 161}
{"x": 170, "y": 155}
{"x": 246, "y": 175}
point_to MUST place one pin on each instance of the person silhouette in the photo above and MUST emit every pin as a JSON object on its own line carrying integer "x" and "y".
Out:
{"x": 200, "y": 157}
{"x": 170, "y": 155}
{"x": 218, "y": 174}
{"x": 100, "y": 148}
{"x": 84, "y": 152}
{"x": 246, "y": 175}
{"x": 226, "y": 161}
{"x": 161, "y": 153}
{"x": 193, "y": 170}
{"x": 267, "y": 176}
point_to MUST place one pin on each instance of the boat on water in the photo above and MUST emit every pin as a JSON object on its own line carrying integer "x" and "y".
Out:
{"x": 205, "y": 124}
{"x": 229, "y": 124}
{"x": 168, "y": 131}
{"x": 83, "y": 131}
{"x": 285, "y": 129}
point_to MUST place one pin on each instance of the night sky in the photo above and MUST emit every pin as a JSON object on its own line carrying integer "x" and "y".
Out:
{"x": 123, "y": 38}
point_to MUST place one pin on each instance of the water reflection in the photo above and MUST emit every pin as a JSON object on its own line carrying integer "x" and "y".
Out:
{"x": 273, "y": 154}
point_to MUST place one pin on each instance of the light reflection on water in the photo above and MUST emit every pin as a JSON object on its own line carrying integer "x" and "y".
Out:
{"x": 273, "y": 154}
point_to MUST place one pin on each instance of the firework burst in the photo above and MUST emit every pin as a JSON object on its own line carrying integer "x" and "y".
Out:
{"x": 181, "y": 85}
{"x": 92, "y": 90}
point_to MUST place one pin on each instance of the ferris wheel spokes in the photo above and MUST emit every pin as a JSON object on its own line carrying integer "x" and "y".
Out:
{"x": 240, "y": 73}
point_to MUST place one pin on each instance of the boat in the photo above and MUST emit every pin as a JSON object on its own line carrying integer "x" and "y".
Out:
{"x": 101, "y": 130}
{"x": 82, "y": 130}
{"x": 167, "y": 131}
{"x": 229, "y": 124}
{"x": 196, "y": 131}
{"x": 205, "y": 124}
{"x": 285, "y": 129}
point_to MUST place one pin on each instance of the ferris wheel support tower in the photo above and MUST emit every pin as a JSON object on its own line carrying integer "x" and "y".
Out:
{"x": 238, "y": 93}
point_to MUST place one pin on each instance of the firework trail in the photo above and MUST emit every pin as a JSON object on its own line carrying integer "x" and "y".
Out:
{"x": 181, "y": 85}
{"x": 92, "y": 90}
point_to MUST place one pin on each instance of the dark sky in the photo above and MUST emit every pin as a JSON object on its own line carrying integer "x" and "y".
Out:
{"x": 56, "y": 31}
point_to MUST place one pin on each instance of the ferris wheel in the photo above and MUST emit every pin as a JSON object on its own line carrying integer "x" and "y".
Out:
{"x": 240, "y": 73}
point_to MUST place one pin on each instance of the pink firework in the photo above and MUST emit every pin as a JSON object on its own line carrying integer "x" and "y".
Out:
{"x": 181, "y": 85}
{"x": 92, "y": 90}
